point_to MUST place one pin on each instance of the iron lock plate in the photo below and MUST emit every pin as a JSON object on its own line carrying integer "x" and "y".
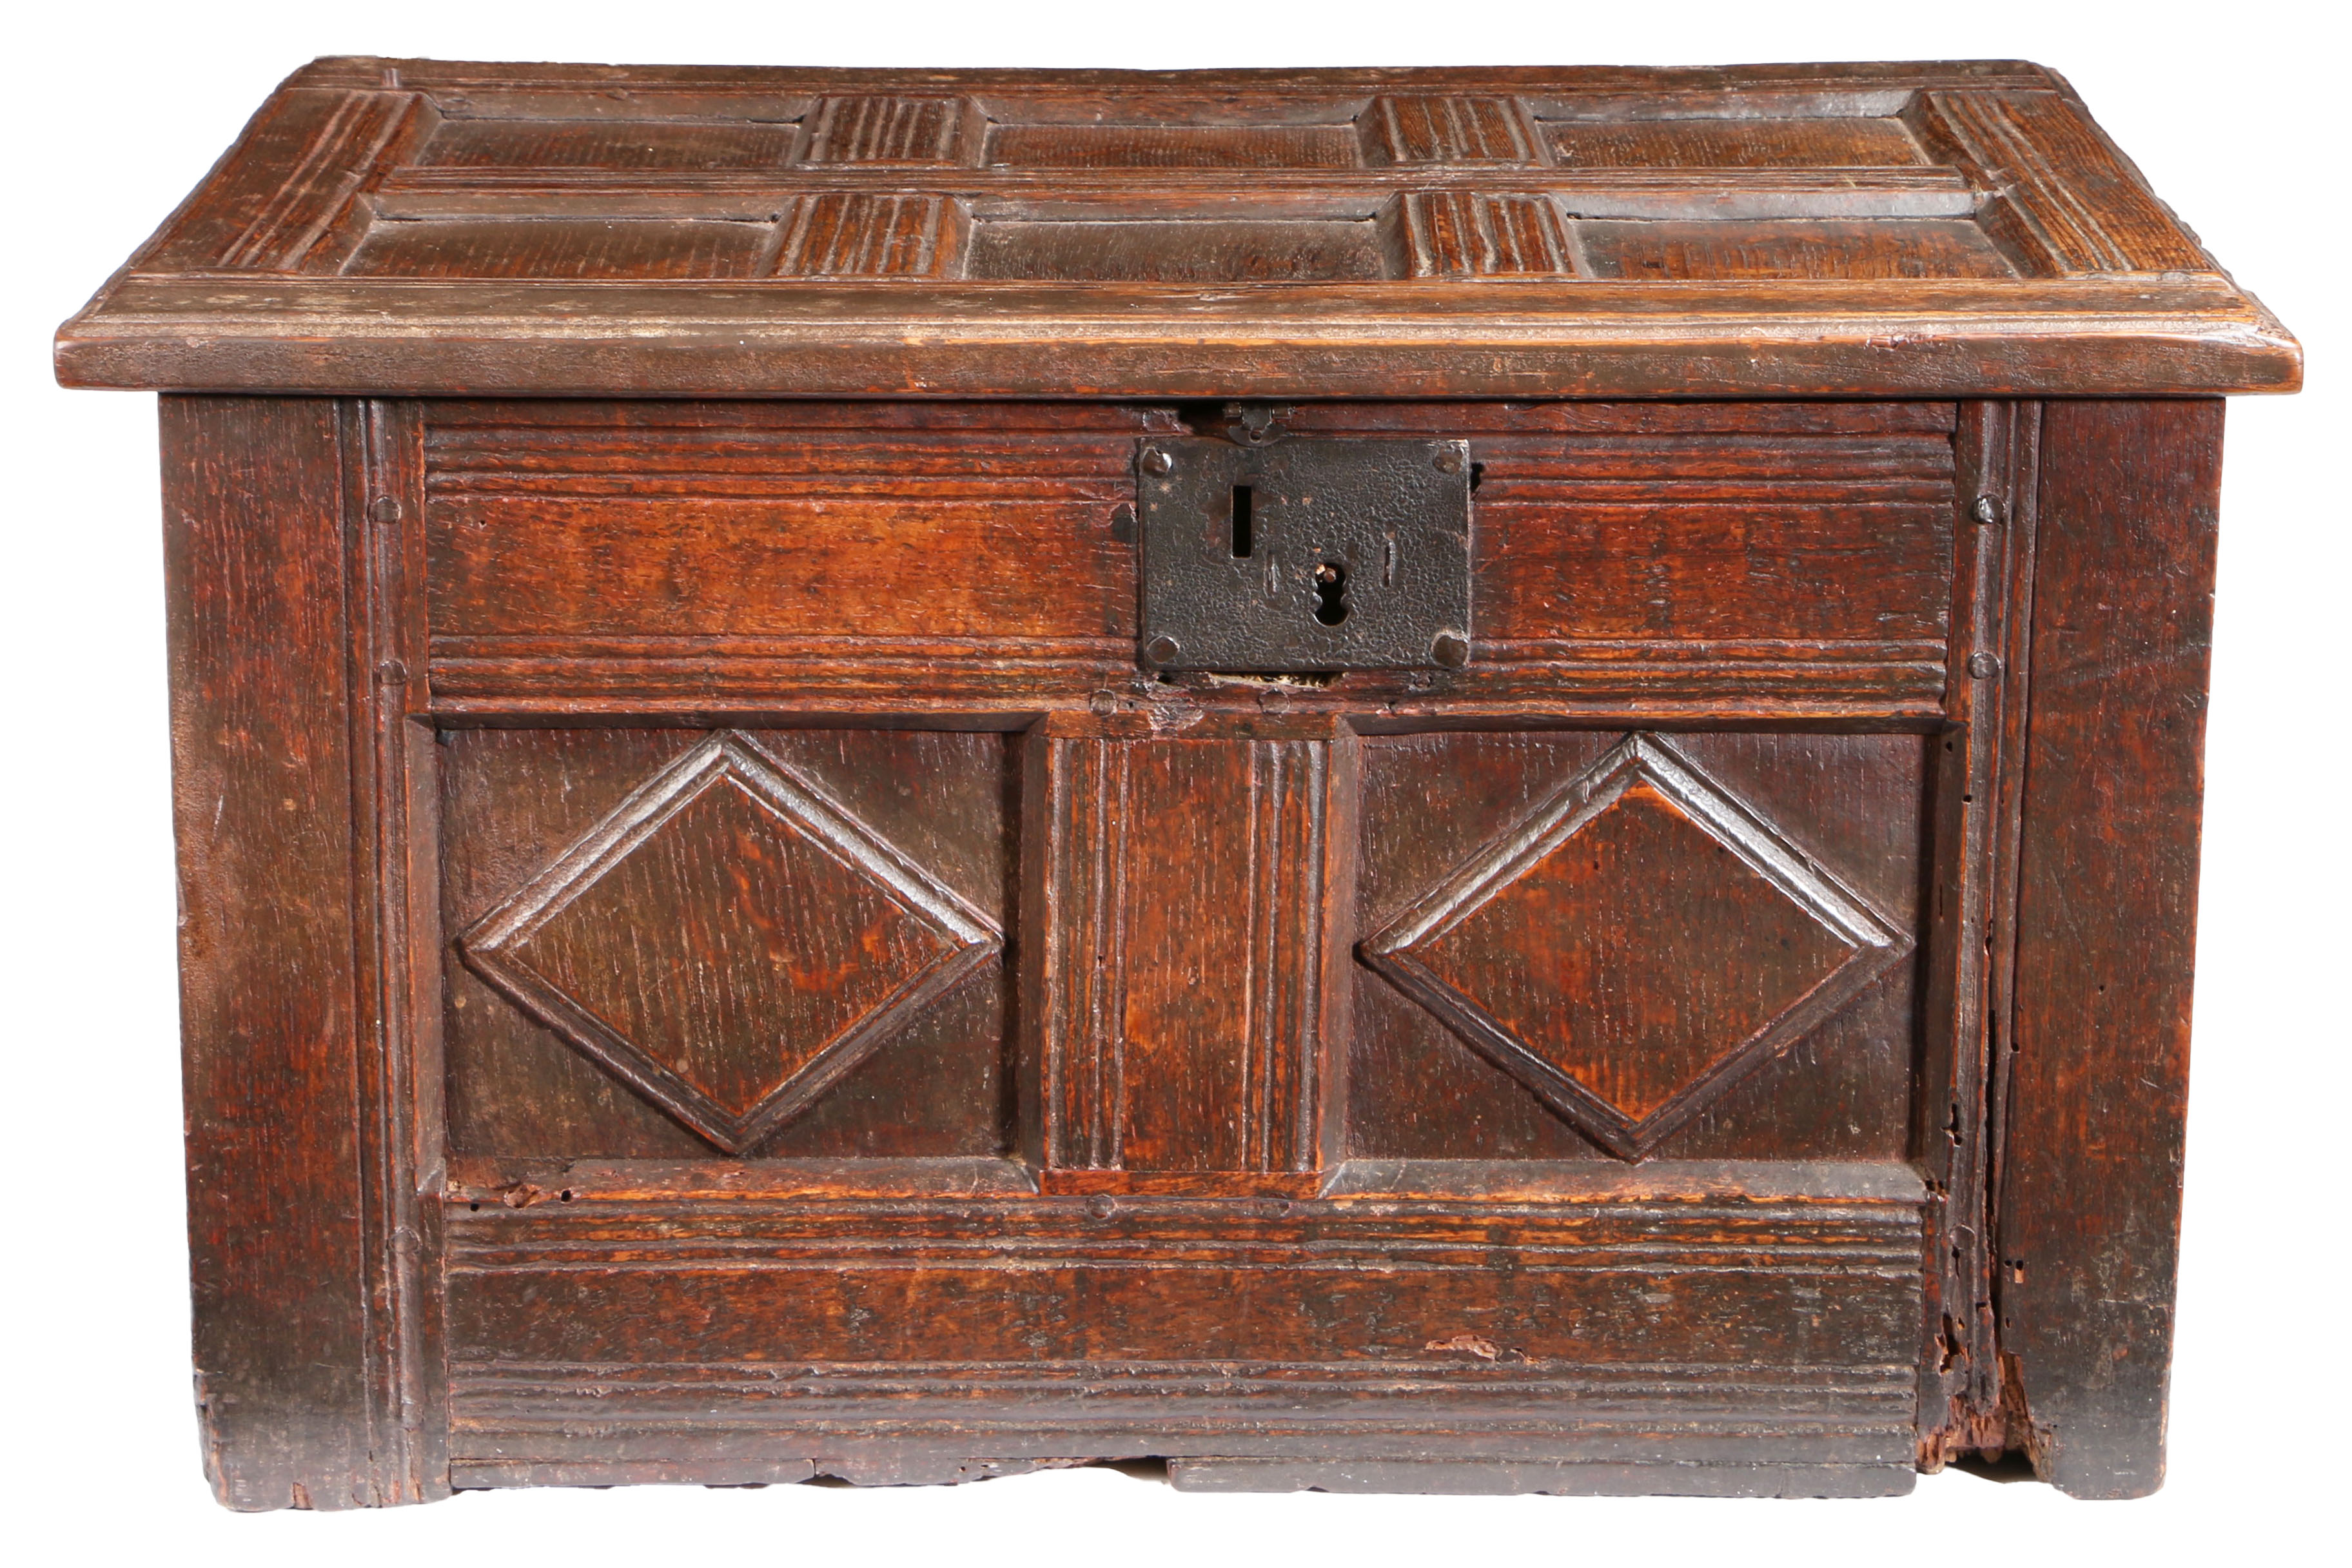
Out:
{"x": 1305, "y": 554}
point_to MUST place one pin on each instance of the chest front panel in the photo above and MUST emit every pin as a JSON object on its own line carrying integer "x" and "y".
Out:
{"x": 869, "y": 999}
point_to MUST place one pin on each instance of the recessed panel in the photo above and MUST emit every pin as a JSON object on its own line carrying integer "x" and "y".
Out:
{"x": 1174, "y": 146}
{"x": 1234, "y": 250}
{"x": 1874, "y": 248}
{"x": 557, "y": 249}
{"x": 1588, "y": 946}
{"x": 616, "y": 143}
{"x": 1732, "y": 144}
{"x": 681, "y": 944}
{"x": 780, "y": 523}
{"x": 1633, "y": 946}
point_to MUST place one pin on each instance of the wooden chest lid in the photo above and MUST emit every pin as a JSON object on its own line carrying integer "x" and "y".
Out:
{"x": 417, "y": 227}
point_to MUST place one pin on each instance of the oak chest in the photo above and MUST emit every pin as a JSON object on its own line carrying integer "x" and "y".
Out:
{"x": 1380, "y": 780}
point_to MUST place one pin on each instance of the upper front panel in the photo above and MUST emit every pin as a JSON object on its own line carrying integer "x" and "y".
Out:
{"x": 981, "y": 232}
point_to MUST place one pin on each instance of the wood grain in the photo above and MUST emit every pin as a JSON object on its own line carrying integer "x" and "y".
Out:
{"x": 618, "y": 1285}
{"x": 2106, "y": 909}
{"x": 1978, "y": 768}
{"x": 1156, "y": 234}
{"x": 1881, "y": 247}
{"x": 1433, "y": 803}
{"x": 1209, "y": 251}
{"x": 712, "y": 955}
{"x": 749, "y": 556}
{"x": 1742, "y": 142}
{"x": 1172, "y": 146}
{"x": 294, "y": 1372}
{"x": 798, "y": 533}
{"x": 608, "y": 143}
{"x": 1637, "y": 889}
{"x": 1182, "y": 904}
{"x": 730, "y": 942}
{"x": 2086, "y": 208}
{"x": 561, "y": 248}
{"x": 735, "y": 959}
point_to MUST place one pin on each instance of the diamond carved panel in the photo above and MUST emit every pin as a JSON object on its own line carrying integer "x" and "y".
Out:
{"x": 1637, "y": 944}
{"x": 729, "y": 943}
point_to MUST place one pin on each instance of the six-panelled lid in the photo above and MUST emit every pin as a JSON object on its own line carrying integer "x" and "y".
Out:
{"x": 420, "y": 227}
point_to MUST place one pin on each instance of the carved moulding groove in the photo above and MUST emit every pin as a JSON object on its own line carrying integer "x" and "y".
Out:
{"x": 498, "y": 947}
{"x": 1858, "y": 943}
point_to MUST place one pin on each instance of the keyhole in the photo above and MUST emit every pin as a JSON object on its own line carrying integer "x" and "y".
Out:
{"x": 1242, "y": 541}
{"x": 1330, "y": 593}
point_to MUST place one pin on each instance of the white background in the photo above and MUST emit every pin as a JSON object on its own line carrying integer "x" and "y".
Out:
{"x": 2235, "y": 113}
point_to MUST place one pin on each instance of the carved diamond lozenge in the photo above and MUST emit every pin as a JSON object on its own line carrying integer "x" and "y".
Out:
{"x": 728, "y": 942}
{"x": 1636, "y": 945}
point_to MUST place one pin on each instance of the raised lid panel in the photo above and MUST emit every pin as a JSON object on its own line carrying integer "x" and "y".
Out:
{"x": 1178, "y": 165}
{"x": 1551, "y": 193}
